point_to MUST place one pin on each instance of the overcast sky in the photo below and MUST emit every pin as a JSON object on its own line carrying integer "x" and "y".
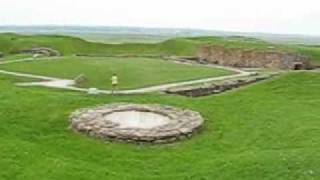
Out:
{"x": 273, "y": 16}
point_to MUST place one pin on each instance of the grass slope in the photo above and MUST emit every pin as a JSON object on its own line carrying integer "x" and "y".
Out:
{"x": 108, "y": 38}
{"x": 13, "y": 43}
{"x": 15, "y": 57}
{"x": 265, "y": 131}
{"x": 132, "y": 72}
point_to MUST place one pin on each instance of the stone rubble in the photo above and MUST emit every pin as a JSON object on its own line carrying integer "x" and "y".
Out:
{"x": 44, "y": 51}
{"x": 216, "y": 87}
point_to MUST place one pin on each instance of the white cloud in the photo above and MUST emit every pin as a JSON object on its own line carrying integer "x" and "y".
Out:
{"x": 277, "y": 16}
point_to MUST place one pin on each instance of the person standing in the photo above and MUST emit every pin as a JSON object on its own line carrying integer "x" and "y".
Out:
{"x": 114, "y": 82}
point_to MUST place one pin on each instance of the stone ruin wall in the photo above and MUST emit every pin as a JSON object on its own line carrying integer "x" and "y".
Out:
{"x": 252, "y": 59}
{"x": 218, "y": 87}
{"x": 43, "y": 51}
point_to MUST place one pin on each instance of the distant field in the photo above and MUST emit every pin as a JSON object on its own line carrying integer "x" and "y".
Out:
{"x": 13, "y": 44}
{"x": 120, "y": 38}
{"x": 132, "y": 72}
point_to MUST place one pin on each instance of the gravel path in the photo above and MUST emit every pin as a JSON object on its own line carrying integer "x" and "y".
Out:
{"x": 45, "y": 78}
{"x": 27, "y": 59}
{"x": 15, "y": 61}
{"x": 69, "y": 84}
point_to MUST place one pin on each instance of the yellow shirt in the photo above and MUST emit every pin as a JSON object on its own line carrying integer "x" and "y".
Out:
{"x": 114, "y": 80}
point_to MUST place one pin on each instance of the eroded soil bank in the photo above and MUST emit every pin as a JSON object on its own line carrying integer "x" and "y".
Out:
{"x": 252, "y": 58}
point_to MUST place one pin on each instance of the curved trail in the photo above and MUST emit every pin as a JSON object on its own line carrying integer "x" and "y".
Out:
{"x": 68, "y": 84}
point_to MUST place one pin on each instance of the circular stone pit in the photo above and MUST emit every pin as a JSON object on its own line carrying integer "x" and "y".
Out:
{"x": 136, "y": 123}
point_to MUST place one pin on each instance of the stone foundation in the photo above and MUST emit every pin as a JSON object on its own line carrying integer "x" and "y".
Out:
{"x": 42, "y": 51}
{"x": 180, "y": 123}
{"x": 217, "y": 87}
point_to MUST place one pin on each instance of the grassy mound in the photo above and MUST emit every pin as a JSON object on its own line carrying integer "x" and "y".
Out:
{"x": 266, "y": 131}
{"x": 13, "y": 43}
{"x": 132, "y": 72}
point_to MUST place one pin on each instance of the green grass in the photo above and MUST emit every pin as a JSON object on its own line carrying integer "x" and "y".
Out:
{"x": 13, "y": 43}
{"x": 311, "y": 51}
{"x": 15, "y": 56}
{"x": 269, "y": 130}
{"x": 132, "y": 72}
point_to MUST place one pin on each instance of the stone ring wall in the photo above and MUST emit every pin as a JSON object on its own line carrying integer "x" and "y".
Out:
{"x": 182, "y": 123}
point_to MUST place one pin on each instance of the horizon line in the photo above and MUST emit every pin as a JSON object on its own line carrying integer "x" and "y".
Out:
{"x": 164, "y": 28}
